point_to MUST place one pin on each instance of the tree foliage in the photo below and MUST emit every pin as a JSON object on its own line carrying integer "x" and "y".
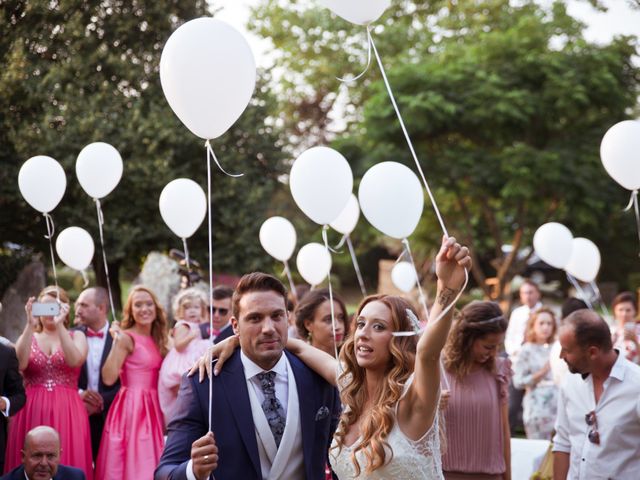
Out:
{"x": 506, "y": 105}
{"x": 74, "y": 72}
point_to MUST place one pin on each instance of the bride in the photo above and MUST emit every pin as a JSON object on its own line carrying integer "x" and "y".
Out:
{"x": 389, "y": 381}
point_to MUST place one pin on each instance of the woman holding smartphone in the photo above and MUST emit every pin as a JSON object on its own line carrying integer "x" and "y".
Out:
{"x": 50, "y": 357}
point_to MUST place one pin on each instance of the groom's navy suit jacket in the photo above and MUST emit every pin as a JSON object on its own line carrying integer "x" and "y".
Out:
{"x": 233, "y": 425}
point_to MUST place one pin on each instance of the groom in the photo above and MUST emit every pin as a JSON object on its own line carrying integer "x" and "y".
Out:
{"x": 273, "y": 418}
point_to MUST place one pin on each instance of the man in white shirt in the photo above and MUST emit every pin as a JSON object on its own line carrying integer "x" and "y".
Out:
{"x": 273, "y": 418}
{"x": 598, "y": 424}
{"x": 91, "y": 310}
{"x": 530, "y": 301}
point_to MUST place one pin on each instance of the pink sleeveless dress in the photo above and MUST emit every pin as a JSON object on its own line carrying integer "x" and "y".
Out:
{"x": 52, "y": 399}
{"x": 132, "y": 439}
{"x": 175, "y": 364}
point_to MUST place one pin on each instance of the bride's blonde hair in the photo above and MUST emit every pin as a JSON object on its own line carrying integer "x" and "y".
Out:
{"x": 376, "y": 425}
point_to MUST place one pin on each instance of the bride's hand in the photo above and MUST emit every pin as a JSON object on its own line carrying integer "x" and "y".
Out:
{"x": 221, "y": 351}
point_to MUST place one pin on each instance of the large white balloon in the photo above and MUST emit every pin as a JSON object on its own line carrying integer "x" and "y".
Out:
{"x": 314, "y": 263}
{"x": 553, "y": 242}
{"x": 403, "y": 276}
{"x": 208, "y": 74}
{"x": 360, "y": 12}
{"x": 348, "y": 219}
{"x": 42, "y": 182}
{"x": 278, "y": 238}
{"x": 99, "y": 169}
{"x": 75, "y": 247}
{"x": 584, "y": 261}
{"x": 183, "y": 206}
{"x": 321, "y": 182}
{"x": 620, "y": 153}
{"x": 391, "y": 199}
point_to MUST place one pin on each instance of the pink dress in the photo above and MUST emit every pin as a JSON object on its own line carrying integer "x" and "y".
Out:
{"x": 473, "y": 422}
{"x": 52, "y": 399}
{"x": 132, "y": 439}
{"x": 175, "y": 364}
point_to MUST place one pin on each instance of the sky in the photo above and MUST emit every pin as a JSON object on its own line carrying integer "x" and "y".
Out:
{"x": 601, "y": 27}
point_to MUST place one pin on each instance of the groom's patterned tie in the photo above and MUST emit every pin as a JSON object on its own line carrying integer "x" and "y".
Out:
{"x": 272, "y": 406}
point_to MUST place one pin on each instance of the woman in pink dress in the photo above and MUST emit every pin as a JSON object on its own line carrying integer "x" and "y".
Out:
{"x": 476, "y": 416}
{"x": 188, "y": 346}
{"x": 132, "y": 439}
{"x": 50, "y": 358}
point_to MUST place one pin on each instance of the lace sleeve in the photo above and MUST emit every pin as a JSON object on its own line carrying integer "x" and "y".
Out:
{"x": 503, "y": 377}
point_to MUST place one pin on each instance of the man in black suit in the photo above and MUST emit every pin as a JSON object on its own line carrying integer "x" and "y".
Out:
{"x": 91, "y": 312}
{"x": 12, "y": 397}
{"x": 41, "y": 459}
{"x": 221, "y": 306}
{"x": 273, "y": 417}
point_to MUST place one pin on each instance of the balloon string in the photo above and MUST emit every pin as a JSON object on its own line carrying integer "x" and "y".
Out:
{"x": 421, "y": 295}
{"x": 634, "y": 201}
{"x": 186, "y": 258}
{"x": 85, "y": 279}
{"x": 209, "y": 155}
{"x": 406, "y": 135}
{"x": 594, "y": 287}
{"x": 210, "y": 152}
{"x": 354, "y": 260}
{"x": 287, "y": 271}
{"x": 353, "y": 79}
{"x": 341, "y": 242}
{"x": 324, "y": 237}
{"x": 333, "y": 313}
{"x": 104, "y": 257}
{"x": 580, "y": 291}
{"x": 51, "y": 229}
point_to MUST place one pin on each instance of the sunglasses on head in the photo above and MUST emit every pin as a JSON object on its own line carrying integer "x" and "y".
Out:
{"x": 592, "y": 421}
{"x": 221, "y": 311}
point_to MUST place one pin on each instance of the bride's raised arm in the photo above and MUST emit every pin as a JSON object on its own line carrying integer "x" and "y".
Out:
{"x": 451, "y": 262}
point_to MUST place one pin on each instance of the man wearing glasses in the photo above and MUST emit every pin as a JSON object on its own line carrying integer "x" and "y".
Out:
{"x": 598, "y": 424}
{"x": 221, "y": 305}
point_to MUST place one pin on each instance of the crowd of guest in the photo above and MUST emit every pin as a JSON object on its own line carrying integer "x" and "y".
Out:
{"x": 404, "y": 401}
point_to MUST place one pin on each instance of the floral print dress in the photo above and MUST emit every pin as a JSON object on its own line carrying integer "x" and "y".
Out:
{"x": 540, "y": 403}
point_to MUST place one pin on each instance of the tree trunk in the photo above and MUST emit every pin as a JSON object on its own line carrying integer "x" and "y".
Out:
{"x": 114, "y": 278}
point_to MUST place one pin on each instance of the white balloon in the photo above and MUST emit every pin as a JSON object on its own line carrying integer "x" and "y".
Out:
{"x": 75, "y": 247}
{"x": 208, "y": 74}
{"x": 391, "y": 199}
{"x": 348, "y": 219}
{"x": 553, "y": 242}
{"x": 314, "y": 263}
{"x": 584, "y": 261}
{"x": 278, "y": 238}
{"x": 99, "y": 169}
{"x": 360, "y": 12}
{"x": 321, "y": 182}
{"x": 403, "y": 276}
{"x": 183, "y": 206}
{"x": 620, "y": 153}
{"x": 42, "y": 182}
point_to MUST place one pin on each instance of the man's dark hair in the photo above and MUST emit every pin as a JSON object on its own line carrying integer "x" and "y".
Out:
{"x": 570, "y": 305}
{"x": 221, "y": 292}
{"x": 256, "y": 282}
{"x": 590, "y": 330}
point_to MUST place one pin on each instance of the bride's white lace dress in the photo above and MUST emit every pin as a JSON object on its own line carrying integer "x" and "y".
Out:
{"x": 406, "y": 459}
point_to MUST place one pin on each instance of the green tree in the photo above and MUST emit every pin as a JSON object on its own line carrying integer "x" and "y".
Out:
{"x": 74, "y": 72}
{"x": 506, "y": 106}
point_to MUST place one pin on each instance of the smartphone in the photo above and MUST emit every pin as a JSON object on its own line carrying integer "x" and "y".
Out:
{"x": 46, "y": 309}
{"x": 630, "y": 326}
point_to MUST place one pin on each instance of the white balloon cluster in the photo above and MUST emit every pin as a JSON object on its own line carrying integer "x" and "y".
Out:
{"x": 579, "y": 257}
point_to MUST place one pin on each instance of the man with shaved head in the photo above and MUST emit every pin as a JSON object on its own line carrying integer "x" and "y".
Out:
{"x": 91, "y": 311}
{"x": 598, "y": 424}
{"x": 41, "y": 458}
